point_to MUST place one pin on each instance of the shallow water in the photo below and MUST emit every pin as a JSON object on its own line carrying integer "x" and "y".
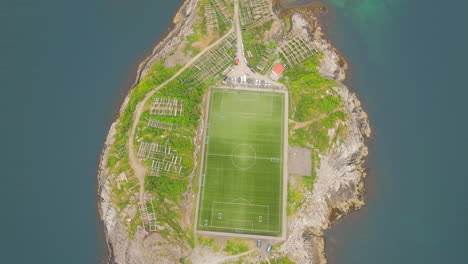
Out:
{"x": 65, "y": 67}
{"x": 407, "y": 63}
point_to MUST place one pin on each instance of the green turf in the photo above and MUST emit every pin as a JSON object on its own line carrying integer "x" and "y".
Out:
{"x": 243, "y": 163}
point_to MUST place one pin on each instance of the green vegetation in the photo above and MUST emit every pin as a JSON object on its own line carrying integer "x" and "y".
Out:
{"x": 295, "y": 200}
{"x": 242, "y": 184}
{"x": 272, "y": 44}
{"x": 209, "y": 242}
{"x": 296, "y": 193}
{"x": 185, "y": 261}
{"x": 223, "y": 27}
{"x": 118, "y": 161}
{"x": 282, "y": 260}
{"x": 133, "y": 225}
{"x": 311, "y": 94}
{"x": 206, "y": 241}
{"x": 312, "y": 98}
{"x": 236, "y": 246}
{"x": 246, "y": 195}
{"x": 202, "y": 36}
{"x": 168, "y": 190}
{"x": 199, "y": 28}
{"x": 255, "y": 42}
{"x": 165, "y": 187}
{"x": 118, "y": 154}
{"x": 121, "y": 193}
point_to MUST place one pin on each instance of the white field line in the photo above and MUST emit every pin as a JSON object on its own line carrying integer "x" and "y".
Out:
{"x": 209, "y": 117}
{"x": 259, "y": 205}
{"x": 282, "y": 164}
{"x": 203, "y": 164}
{"x": 251, "y": 89}
{"x": 246, "y": 229}
{"x": 233, "y": 228}
{"x": 223, "y": 92}
{"x": 246, "y": 221}
{"x": 247, "y": 113}
{"x": 248, "y": 92}
{"x": 268, "y": 219}
{"x": 224, "y": 155}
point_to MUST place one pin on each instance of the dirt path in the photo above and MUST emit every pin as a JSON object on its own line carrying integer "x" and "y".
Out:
{"x": 140, "y": 170}
{"x": 299, "y": 125}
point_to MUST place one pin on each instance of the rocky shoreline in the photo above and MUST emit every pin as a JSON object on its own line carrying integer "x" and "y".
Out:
{"x": 337, "y": 190}
{"x": 117, "y": 240}
{"x": 339, "y": 186}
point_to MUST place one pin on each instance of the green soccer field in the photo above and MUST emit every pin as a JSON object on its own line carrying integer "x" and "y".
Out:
{"x": 241, "y": 183}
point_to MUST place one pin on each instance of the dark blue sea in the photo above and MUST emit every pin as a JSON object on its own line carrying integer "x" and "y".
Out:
{"x": 408, "y": 64}
{"x": 65, "y": 67}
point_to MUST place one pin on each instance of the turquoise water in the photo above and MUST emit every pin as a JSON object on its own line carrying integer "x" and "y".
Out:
{"x": 65, "y": 67}
{"x": 408, "y": 64}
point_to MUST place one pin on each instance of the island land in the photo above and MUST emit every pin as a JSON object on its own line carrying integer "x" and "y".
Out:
{"x": 237, "y": 144}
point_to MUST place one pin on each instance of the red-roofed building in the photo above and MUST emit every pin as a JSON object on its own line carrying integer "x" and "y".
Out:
{"x": 277, "y": 71}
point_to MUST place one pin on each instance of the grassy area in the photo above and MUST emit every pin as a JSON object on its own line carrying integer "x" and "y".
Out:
{"x": 209, "y": 242}
{"x": 206, "y": 241}
{"x": 295, "y": 200}
{"x": 282, "y": 260}
{"x": 132, "y": 226}
{"x": 202, "y": 36}
{"x": 255, "y": 42}
{"x": 118, "y": 161}
{"x": 185, "y": 261}
{"x": 296, "y": 193}
{"x": 311, "y": 93}
{"x": 118, "y": 154}
{"x": 168, "y": 190}
{"x": 181, "y": 139}
{"x": 312, "y": 97}
{"x": 122, "y": 194}
{"x": 236, "y": 246}
{"x": 243, "y": 170}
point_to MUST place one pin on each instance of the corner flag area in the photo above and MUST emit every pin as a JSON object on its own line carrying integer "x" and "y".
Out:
{"x": 241, "y": 186}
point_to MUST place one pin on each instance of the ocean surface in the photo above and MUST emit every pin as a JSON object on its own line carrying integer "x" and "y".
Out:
{"x": 65, "y": 67}
{"x": 408, "y": 64}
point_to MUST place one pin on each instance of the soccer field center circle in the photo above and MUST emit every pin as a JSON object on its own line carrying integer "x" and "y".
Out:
{"x": 243, "y": 156}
